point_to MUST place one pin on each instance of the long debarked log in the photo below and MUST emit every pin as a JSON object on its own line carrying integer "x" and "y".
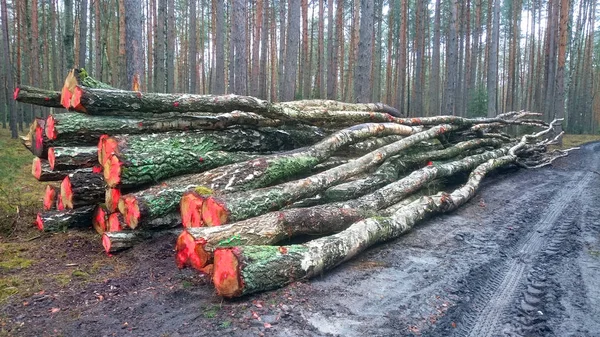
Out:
{"x": 41, "y": 170}
{"x": 55, "y": 221}
{"x": 244, "y": 270}
{"x": 70, "y": 158}
{"x": 194, "y": 246}
{"x": 86, "y": 130}
{"x": 82, "y": 188}
{"x": 162, "y": 199}
{"x": 142, "y": 159}
{"x": 217, "y": 210}
{"x": 114, "y": 242}
{"x": 37, "y": 96}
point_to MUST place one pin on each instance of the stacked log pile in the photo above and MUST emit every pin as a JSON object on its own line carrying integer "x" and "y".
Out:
{"x": 244, "y": 176}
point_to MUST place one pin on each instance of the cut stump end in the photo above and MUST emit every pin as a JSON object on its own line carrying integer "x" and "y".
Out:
{"x": 213, "y": 212}
{"x": 99, "y": 219}
{"x": 51, "y": 157}
{"x": 36, "y": 168}
{"x": 226, "y": 274}
{"x": 191, "y": 210}
{"x": 66, "y": 192}
{"x": 132, "y": 211}
{"x": 114, "y": 223}
{"x": 106, "y": 243}
{"x": 50, "y": 128}
{"x": 49, "y": 197}
{"x": 112, "y": 171}
{"x": 39, "y": 222}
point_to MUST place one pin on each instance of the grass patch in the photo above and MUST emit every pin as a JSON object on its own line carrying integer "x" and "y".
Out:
{"x": 225, "y": 324}
{"x": 570, "y": 140}
{"x": 20, "y": 192}
{"x": 11, "y": 259}
{"x": 211, "y": 312}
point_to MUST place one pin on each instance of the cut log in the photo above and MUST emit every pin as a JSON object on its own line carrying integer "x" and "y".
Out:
{"x": 41, "y": 170}
{"x": 162, "y": 199}
{"x": 59, "y": 204}
{"x": 219, "y": 209}
{"x": 244, "y": 270}
{"x": 111, "y": 199}
{"x": 389, "y": 171}
{"x": 82, "y": 188}
{"x": 143, "y": 159}
{"x": 55, "y": 221}
{"x": 50, "y": 197}
{"x": 100, "y": 218}
{"x": 115, "y": 223}
{"x": 75, "y": 78}
{"x": 69, "y": 158}
{"x": 37, "y": 139}
{"x": 37, "y": 96}
{"x": 196, "y": 244}
{"x": 330, "y": 105}
{"x": 86, "y": 130}
{"x": 369, "y": 145}
{"x": 114, "y": 242}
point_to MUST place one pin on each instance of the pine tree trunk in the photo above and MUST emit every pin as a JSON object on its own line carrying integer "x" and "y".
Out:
{"x": 291, "y": 51}
{"x": 219, "y": 87}
{"x": 192, "y": 89}
{"x": 83, "y": 13}
{"x": 134, "y": 48}
{"x": 362, "y": 76}
{"x": 492, "y": 74}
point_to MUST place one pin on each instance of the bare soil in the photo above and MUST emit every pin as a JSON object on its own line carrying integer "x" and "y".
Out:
{"x": 521, "y": 259}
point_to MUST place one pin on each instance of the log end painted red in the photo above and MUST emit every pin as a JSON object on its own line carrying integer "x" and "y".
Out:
{"x": 112, "y": 171}
{"x": 101, "y": 141}
{"x": 226, "y": 274}
{"x": 99, "y": 220}
{"x": 39, "y": 140}
{"x": 49, "y": 198}
{"x": 16, "y": 93}
{"x": 76, "y": 100}
{"x": 114, "y": 223}
{"x": 50, "y": 128}
{"x": 213, "y": 212}
{"x": 190, "y": 252}
{"x": 36, "y": 168}
{"x": 132, "y": 211}
{"x": 65, "y": 97}
{"x": 191, "y": 210}
{"x": 106, "y": 243}
{"x": 112, "y": 199}
{"x": 39, "y": 222}
{"x": 66, "y": 191}
{"x": 51, "y": 157}
{"x": 59, "y": 203}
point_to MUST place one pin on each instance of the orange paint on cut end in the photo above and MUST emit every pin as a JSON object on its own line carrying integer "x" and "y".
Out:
{"x": 39, "y": 222}
{"x": 114, "y": 223}
{"x": 49, "y": 197}
{"x": 213, "y": 213}
{"x": 132, "y": 211}
{"x": 66, "y": 191}
{"x": 106, "y": 243}
{"x": 51, "y": 157}
{"x": 226, "y": 273}
{"x": 112, "y": 171}
{"x": 190, "y": 209}
{"x": 99, "y": 220}
{"x": 50, "y": 128}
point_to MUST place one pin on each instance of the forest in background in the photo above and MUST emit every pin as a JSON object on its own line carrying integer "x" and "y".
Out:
{"x": 426, "y": 58}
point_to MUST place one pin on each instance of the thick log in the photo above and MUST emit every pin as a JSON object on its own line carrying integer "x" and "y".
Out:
{"x": 75, "y": 78}
{"x": 69, "y": 158}
{"x": 196, "y": 244}
{"x": 82, "y": 188}
{"x": 114, "y": 242}
{"x": 41, "y": 170}
{"x": 50, "y": 193}
{"x": 100, "y": 218}
{"x": 55, "y": 221}
{"x": 86, "y": 130}
{"x": 37, "y": 96}
{"x": 244, "y": 270}
{"x": 162, "y": 199}
{"x": 219, "y": 209}
{"x": 393, "y": 167}
{"x": 143, "y": 159}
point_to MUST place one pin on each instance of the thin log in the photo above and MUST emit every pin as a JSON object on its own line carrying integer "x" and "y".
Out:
{"x": 114, "y": 242}
{"x": 56, "y": 221}
{"x": 69, "y": 158}
{"x": 82, "y": 188}
{"x": 162, "y": 199}
{"x": 142, "y": 159}
{"x": 41, "y": 170}
{"x": 37, "y": 96}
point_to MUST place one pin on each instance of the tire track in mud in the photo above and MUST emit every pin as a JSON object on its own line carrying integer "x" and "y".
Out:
{"x": 497, "y": 282}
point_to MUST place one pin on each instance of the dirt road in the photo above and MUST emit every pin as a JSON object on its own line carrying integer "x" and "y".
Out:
{"x": 521, "y": 259}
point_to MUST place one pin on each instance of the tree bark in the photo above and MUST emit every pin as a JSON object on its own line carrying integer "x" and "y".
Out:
{"x": 58, "y": 221}
{"x": 83, "y": 13}
{"x": 240, "y": 12}
{"x": 291, "y": 51}
{"x": 160, "y": 40}
{"x": 331, "y": 53}
{"x": 37, "y": 96}
{"x": 560, "y": 71}
{"x": 362, "y": 88}
{"x": 492, "y": 75}
{"x": 9, "y": 70}
{"x": 40, "y": 169}
{"x": 219, "y": 87}
{"x": 115, "y": 242}
{"x": 133, "y": 45}
{"x": 170, "y": 43}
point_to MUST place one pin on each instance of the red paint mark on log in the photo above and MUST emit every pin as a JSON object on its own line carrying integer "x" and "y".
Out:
{"x": 201, "y": 159}
{"x": 46, "y": 99}
{"x": 113, "y": 202}
{"x": 49, "y": 197}
{"x": 97, "y": 169}
{"x": 99, "y": 220}
{"x": 39, "y": 222}
{"x": 213, "y": 212}
{"x": 39, "y": 138}
{"x": 66, "y": 191}
{"x": 76, "y": 100}
{"x": 59, "y": 203}
{"x": 16, "y": 93}
{"x": 282, "y": 250}
{"x": 176, "y": 104}
{"x": 51, "y": 157}
{"x": 106, "y": 243}
{"x": 65, "y": 97}
{"x": 186, "y": 248}
{"x": 429, "y": 163}
{"x": 190, "y": 208}
{"x": 226, "y": 275}
{"x": 50, "y": 128}
{"x": 114, "y": 224}
{"x": 132, "y": 215}
{"x": 36, "y": 168}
